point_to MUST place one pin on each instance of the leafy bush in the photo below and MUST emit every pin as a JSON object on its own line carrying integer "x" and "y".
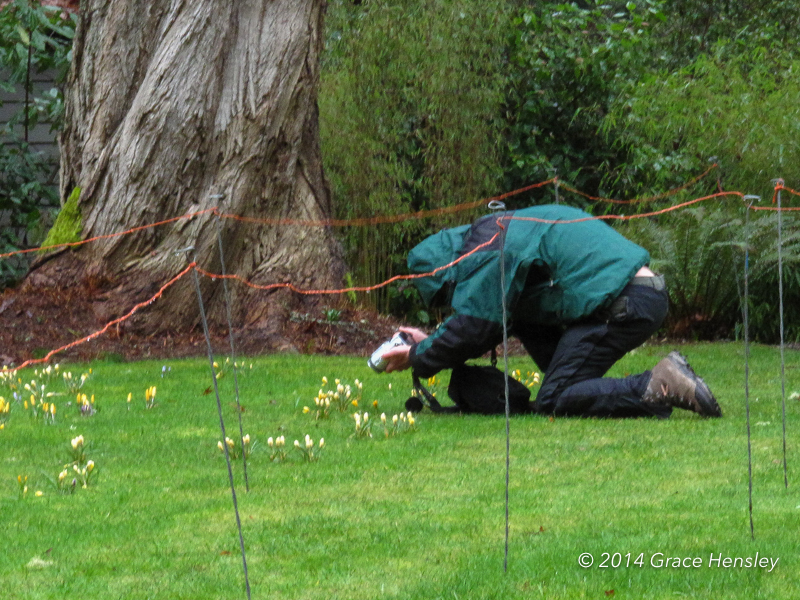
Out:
{"x": 739, "y": 108}
{"x": 33, "y": 38}
{"x": 567, "y": 64}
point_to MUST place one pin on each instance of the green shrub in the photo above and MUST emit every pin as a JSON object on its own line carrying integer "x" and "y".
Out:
{"x": 567, "y": 65}
{"x": 33, "y": 38}
{"x": 410, "y": 106}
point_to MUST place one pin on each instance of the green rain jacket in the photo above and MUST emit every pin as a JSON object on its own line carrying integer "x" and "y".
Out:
{"x": 561, "y": 265}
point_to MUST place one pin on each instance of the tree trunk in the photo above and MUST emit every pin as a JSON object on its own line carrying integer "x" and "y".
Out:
{"x": 171, "y": 102}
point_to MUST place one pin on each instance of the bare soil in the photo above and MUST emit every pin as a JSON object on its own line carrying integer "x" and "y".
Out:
{"x": 34, "y": 322}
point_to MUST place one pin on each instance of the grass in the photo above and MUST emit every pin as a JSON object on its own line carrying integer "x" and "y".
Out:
{"x": 419, "y": 515}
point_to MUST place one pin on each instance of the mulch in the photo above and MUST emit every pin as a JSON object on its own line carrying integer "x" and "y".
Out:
{"x": 35, "y": 322}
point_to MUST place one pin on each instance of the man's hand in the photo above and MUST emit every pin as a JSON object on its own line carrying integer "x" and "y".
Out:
{"x": 397, "y": 359}
{"x": 416, "y": 334}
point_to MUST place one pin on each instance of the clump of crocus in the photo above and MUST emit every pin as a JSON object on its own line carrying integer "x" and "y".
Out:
{"x": 65, "y": 484}
{"x": 400, "y": 423}
{"x": 342, "y": 396}
{"x": 309, "y": 451}
{"x": 48, "y": 373}
{"x": 75, "y": 383}
{"x": 82, "y": 468}
{"x": 150, "y": 397}
{"x": 78, "y": 450}
{"x": 531, "y": 378}
{"x": 38, "y": 401}
{"x": 322, "y": 406}
{"x": 22, "y": 480}
{"x": 363, "y": 425}
{"x": 5, "y": 409}
{"x": 85, "y": 404}
{"x": 277, "y": 449}
{"x": 235, "y": 450}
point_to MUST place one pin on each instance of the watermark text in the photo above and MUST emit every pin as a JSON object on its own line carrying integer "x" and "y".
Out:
{"x": 662, "y": 560}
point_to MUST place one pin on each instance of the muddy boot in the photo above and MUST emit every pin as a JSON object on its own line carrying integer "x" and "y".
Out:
{"x": 675, "y": 384}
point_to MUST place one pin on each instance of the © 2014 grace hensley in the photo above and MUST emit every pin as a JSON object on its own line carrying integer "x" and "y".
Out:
{"x": 658, "y": 560}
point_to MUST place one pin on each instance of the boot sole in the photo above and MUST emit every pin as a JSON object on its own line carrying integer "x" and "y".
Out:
{"x": 708, "y": 404}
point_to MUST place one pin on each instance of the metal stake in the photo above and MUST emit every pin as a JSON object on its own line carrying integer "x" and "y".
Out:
{"x": 500, "y": 206}
{"x": 221, "y": 421}
{"x": 779, "y": 185}
{"x": 221, "y": 197}
{"x": 747, "y": 358}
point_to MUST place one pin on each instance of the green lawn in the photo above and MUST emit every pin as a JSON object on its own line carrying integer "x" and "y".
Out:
{"x": 417, "y": 515}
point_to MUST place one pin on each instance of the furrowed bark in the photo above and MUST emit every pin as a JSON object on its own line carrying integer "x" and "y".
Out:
{"x": 171, "y": 102}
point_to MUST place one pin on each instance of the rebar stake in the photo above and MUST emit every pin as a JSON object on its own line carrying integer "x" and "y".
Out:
{"x": 221, "y": 198}
{"x": 221, "y": 420}
{"x": 778, "y": 183}
{"x": 500, "y": 206}
{"x": 751, "y": 199}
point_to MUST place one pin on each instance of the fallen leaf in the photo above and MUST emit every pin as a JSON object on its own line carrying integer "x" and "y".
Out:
{"x": 609, "y": 592}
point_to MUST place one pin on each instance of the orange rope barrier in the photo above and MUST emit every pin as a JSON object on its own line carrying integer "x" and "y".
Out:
{"x": 109, "y": 324}
{"x": 110, "y": 235}
{"x": 629, "y": 217}
{"x": 642, "y": 200}
{"x": 384, "y": 219}
{"x": 778, "y": 187}
{"x": 377, "y": 220}
{"x": 372, "y": 220}
{"x": 369, "y": 288}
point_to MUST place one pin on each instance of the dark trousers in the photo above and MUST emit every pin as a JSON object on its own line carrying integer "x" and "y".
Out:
{"x": 575, "y": 358}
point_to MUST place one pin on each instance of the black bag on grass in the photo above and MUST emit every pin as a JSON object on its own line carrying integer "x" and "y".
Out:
{"x": 477, "y": 390}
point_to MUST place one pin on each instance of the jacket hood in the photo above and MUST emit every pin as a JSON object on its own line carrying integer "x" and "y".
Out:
{"x": 433, "y": 252}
